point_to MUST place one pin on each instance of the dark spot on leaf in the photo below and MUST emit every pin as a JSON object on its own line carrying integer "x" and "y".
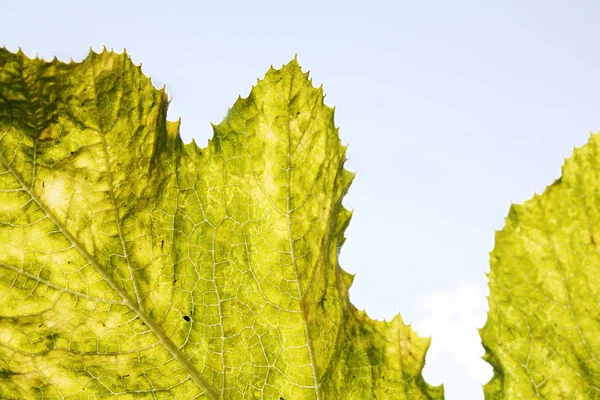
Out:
{"x": 186, "y": 318}
{"x": 174, "y": 280}
{"x": 322, "y": 301}
{"x": 72, "y": 152}
{"x": 50, "y": 340}
{"x": 6, "y": 373}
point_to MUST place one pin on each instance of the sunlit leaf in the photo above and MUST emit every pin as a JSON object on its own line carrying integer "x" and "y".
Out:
{"x": 134, "y": 266}
{"x": 543, "y": 330}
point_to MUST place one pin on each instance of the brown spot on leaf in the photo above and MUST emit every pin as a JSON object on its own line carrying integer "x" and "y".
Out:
{"x": 49, "y": 133}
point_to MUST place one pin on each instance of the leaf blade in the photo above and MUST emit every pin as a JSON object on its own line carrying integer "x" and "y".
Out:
{"x": 137, "y": 264}
{"x": 543, "y": 277}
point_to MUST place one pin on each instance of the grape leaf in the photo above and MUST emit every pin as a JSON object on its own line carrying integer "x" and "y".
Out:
{"x": 541, "y": 336}
{"x": 135, "y": 266}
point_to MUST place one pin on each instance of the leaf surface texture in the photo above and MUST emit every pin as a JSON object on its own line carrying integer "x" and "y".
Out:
{"x": 542, "y": 334}
{"x": 135, "y": 266}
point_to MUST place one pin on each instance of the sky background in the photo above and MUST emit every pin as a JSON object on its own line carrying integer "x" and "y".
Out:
{"x": 452, "y": 110}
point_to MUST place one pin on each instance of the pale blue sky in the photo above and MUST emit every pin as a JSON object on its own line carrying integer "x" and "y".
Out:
{"x": 452, "y": 110}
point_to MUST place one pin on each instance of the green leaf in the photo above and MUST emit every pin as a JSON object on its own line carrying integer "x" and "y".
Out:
{"x": 134, "y": 266}
{"x": 542, "y": 334}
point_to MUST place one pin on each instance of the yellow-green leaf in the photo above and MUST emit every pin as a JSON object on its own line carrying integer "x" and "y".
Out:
{"x": 134, "y": 266}
{"x": 543, "y": 331}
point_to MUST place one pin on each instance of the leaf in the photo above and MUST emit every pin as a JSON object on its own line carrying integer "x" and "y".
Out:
{"x": 541, "y": 336}
{"x": 134, "y": 266}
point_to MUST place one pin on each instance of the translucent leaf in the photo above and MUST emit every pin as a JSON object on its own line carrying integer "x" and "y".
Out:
{"x": 134, "y": 266}
{"x": 542, "y": 334}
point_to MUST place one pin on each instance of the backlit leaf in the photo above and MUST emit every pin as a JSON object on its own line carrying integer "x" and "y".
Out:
{"x": 135, "y": 266}
{"x": 543, "y": 331}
